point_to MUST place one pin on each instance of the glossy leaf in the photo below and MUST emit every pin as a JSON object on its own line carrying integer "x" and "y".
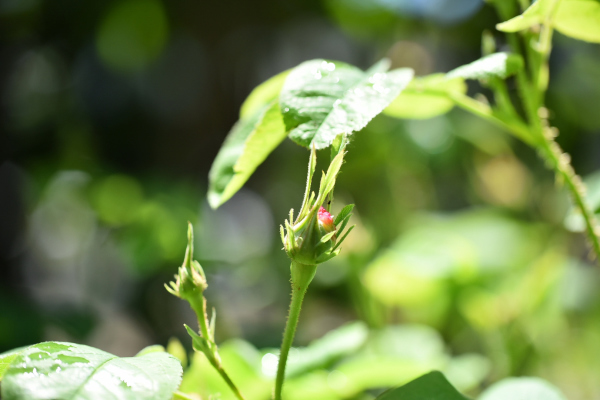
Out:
{"x": 262, "y": 95}
{"x": 522, "y": 389}
{"x": 248, "y": 144}
{"x": 426, "y": 97}
{"x": 432, "y": 386}
{"x": 54, "y": 370}
{"x": 322, "y": 99}
{"x": 501, "y": 65}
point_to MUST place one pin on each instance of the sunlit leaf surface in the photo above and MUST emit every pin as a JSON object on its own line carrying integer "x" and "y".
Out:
{"x": 426, "y": 97}
{"x": 501, "y": 65}
{"x": 522, "y": 389}
{"x": 579, "y": 19}
{"x": 248, "y": 144}
{"x": 262, "y": 95}
{"x": 322, "y": 99}
{"x": 53, "y": 370}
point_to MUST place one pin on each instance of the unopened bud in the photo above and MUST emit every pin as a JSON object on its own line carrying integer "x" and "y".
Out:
{"x": 190, "y": 278}
{"x": 325, "y": 220}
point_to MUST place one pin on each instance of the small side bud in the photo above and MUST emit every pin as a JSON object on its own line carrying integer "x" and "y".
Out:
{"x": 325, "y": 220}
{"x": 190, "y": 278}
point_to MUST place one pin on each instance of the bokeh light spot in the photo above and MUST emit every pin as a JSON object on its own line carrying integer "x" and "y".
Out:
{"x": 117, "y": 199}
{"x": 133, "y": 34}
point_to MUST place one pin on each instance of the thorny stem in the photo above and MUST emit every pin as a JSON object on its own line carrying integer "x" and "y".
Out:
{"x": 198, "y": 304}
{"x": 560, "y": 162}
{"x": 542, "y": 136}
{"x": 302, "y": 275}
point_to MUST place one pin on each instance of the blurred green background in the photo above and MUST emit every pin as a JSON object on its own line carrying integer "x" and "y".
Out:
{"x": 111, "y": 113}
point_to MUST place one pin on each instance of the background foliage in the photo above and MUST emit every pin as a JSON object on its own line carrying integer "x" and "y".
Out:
{"x": 463, "y": 260}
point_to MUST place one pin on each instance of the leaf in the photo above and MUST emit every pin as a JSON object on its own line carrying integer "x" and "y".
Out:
{"x": 243, "y": 365}
{"x": 322, "y": 99}
{"x": 7, "y": 358}
{"x": 176, "y": 349}
{"x": 326, "y": 238}
{"x": 262, "y": 95}
{"x": 426, "y": 97}
{"x": 501, "y": 65}
{"x": 579, "y": 19}
{"x": 343, "y": 213}
{"x": 338, "y": 343}
{"x": 155, "y": 348}
{"x": 66, "y": 371}
{"x": 534, "y": 15}
{"x": 198, "y": 342}
{"x": 522, "y": 389}
{"x": 432, "y": 386}
{"x": 246, "y": 147}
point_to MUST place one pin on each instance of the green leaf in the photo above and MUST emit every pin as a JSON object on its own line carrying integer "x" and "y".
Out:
{"x": 262, "y": 95}
{"x": 343, "y": 213}
{"x": 322, "y": 99}
{"x": 426, "y": 97}
{"x": 155, "y": 348}
{"x": 522, "y": 389}
{"x": 7, "y": 358}
{"x": 248, "y": 144}
{"x": 579, "y": 19}
{"x": 326, "y": 238}
{"x": 501, "y": 65}
{"x": 328, "y": 180}
{"x": 54, "y": 370}
{"x": 176, "y": 349}
{"x": 432, "y": 386}
{"x": 340, "y": 342}
{"x": 198, "y": 342}
{"x": 534, "y": 15}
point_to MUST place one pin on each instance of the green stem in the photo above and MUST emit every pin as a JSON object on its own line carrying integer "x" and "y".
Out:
{"x": 302, "y": 275}
{"x": 198, "y": 304}
{"x": 229, "y": 382}
{"x": 181, "y": 396}
{"x": 561, "y": 164}
{"x": 484, "y": 111}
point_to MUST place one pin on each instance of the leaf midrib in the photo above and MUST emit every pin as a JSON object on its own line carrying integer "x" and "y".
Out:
{"x": 90, "y": 376}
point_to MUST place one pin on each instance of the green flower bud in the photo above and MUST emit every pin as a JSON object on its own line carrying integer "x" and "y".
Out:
{"x": 190, "y": 279}
{"x": 312, "y": 237}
